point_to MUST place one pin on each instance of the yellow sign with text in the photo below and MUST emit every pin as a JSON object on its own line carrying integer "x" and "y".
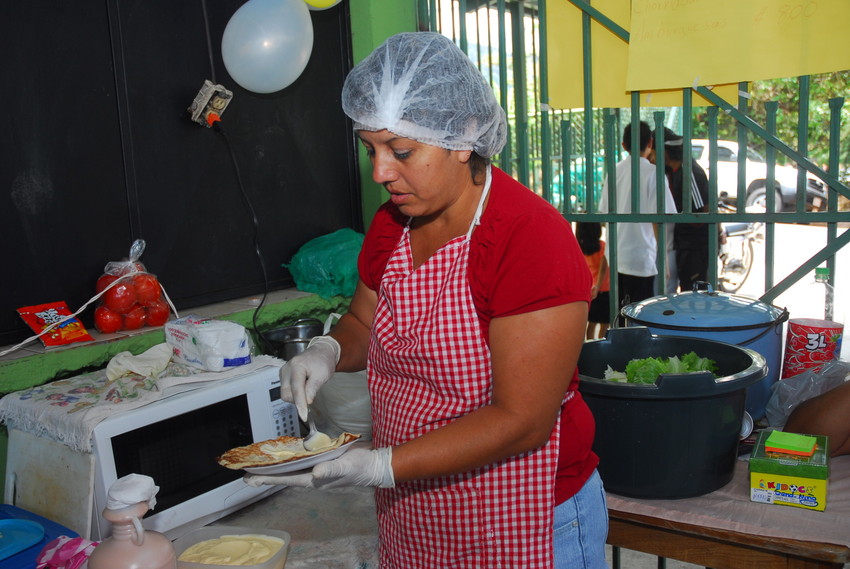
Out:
{"x": 683, "y": 43}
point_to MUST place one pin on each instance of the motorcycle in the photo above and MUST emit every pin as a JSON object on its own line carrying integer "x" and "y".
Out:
{"x": 737, "y": 251}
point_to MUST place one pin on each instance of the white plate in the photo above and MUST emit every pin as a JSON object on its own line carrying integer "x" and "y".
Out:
{"x": 300, "y": 463}
{"x": 746, "y": 426}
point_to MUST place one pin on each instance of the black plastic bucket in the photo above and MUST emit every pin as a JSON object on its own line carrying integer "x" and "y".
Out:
{"x": 738, "y": 320}
{"x": 677, "y": 438}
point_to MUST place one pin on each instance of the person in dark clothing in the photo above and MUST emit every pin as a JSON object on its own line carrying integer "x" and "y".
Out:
{"x": 690, "y": 240}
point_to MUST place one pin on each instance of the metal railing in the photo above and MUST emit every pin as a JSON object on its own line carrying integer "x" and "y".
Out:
{"x": 564, "y": 155}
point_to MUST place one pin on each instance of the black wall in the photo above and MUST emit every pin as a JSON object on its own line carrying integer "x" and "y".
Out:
{"x": 97, "y": 149}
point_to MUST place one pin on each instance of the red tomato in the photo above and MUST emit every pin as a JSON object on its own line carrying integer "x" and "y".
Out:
{"x": 120, "y": 298}
{"x": 135, "y": 318}
{"x": 104, "y": 281}
{"x": 106, "y": 321}
{"x": 147, "y": 288}
{"x": 157, "y": 313}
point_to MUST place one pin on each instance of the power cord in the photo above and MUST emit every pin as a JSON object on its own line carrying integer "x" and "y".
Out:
{"x": 215, "y": 122}
{"x": 207, "y": 109}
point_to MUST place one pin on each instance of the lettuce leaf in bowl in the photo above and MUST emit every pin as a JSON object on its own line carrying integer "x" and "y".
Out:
{"x": 647, "y": 370}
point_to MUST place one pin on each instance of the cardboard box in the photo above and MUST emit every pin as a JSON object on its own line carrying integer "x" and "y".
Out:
{"x": 788, "y": 480}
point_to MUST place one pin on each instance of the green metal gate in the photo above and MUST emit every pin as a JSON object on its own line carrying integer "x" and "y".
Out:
{"x": 564, "y": 155}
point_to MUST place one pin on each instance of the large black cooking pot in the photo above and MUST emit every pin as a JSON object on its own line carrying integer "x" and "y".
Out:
{"x": 677, "y": 438}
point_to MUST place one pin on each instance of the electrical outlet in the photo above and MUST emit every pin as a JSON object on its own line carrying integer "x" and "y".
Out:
{"x": 210, "y": 100}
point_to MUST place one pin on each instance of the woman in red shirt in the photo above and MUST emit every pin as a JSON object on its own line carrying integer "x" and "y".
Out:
{"x": 469, "y": 318}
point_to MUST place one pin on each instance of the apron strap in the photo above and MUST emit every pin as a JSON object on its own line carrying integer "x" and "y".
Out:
{"x": 477, "y": 219}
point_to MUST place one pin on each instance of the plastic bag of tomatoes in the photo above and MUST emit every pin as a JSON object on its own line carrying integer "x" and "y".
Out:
{"x": 132, "y": 297}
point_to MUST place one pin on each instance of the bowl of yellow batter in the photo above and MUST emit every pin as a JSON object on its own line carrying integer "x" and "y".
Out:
{"x": 217, "y": 547}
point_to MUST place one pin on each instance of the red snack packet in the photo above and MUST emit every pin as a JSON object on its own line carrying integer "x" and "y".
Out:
{"x": 41, "y": 316}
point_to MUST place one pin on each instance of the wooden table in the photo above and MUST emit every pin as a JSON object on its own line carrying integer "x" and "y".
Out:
{"x": 724, "y": 530}
{"x": 718, "y": 548}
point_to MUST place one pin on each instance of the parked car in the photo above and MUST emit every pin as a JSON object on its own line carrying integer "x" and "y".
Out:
{"x": 785, "y": 178}
{"x": 577, "y": 184}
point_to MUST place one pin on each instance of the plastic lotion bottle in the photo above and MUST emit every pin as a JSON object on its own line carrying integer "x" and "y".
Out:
{"x": 131, "y": 546}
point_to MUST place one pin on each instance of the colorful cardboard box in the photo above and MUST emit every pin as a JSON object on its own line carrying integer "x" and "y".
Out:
{"x": 789, "y": 480}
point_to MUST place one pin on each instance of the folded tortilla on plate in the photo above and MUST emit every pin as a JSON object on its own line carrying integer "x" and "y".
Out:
{"x": 276, "y": 451}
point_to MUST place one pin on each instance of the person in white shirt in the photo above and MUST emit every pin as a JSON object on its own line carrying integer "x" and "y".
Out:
{"x": 636, "y": 242}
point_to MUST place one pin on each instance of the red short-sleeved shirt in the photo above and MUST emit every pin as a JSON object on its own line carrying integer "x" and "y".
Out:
{"x": 523, "y": 257}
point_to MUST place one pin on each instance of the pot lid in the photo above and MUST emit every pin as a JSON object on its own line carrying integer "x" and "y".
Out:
{"x": 704, "y": 310}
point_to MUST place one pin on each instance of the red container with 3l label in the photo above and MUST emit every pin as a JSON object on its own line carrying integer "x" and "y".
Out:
{"x": 810, "y": 343}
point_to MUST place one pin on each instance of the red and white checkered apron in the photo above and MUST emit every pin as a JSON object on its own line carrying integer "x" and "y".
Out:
{"x": 428, "y": 365}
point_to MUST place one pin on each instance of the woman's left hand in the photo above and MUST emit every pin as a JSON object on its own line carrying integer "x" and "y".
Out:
{"x": 357, "y": 467}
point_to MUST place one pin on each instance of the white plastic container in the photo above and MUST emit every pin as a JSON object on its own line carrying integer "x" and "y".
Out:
{"x": 213, "y": 532}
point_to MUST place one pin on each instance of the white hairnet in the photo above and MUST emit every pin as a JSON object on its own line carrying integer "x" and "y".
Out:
{"x": 420, "y": 85}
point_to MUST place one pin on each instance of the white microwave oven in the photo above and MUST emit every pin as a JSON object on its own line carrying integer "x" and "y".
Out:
{"x": 174, "y": 440}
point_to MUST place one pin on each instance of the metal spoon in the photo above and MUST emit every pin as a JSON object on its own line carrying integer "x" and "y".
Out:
{"x": 315, "y": 439}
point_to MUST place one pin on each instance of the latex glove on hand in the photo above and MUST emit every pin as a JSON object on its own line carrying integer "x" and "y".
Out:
{"x": 357, "y": 467}
{"x": 303, "y": 375}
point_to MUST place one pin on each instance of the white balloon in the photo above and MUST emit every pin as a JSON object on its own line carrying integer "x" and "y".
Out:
{"x": 316, "y": 5}
{"x": 267, "y": 44}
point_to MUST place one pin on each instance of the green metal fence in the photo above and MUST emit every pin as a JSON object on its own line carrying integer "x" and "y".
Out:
{"x": 564, "y": 155}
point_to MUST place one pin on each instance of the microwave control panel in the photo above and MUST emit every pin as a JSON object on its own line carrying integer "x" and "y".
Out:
{"x": 284, "y": 414}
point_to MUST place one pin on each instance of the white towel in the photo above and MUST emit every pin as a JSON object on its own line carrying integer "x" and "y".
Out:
{"x": 148, "y": 364}
{"x": 67, "y": 410}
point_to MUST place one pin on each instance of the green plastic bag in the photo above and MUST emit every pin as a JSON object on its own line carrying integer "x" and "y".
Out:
{"x": 327, "y": 265}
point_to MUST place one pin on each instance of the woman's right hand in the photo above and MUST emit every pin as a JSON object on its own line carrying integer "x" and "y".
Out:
{"x": 304, "y": 374}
